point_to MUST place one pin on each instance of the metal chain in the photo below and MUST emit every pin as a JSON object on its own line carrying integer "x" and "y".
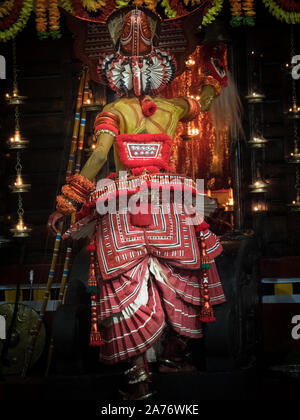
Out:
{"x": 297, "y": 184}
{"x": 14, "y": 56}
{"x": 20, "y": 207}
{"x": 296, "y": 137}
{"x": 18, "y": 166}
{"x": 17, "y": 117}
{"x": 294, "y": 93}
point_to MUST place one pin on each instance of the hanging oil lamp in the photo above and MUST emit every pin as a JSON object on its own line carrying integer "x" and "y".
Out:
{"x": 255, "y": 97}
{"x": 229, "y": 205}
{"x": 258, "y": 185}
{"x": 294, "y": 156}
{"x": 17, "y": 141}
{"x": 19, "y": 186}
{"x": 190, "y": 133}
{"x": 20, "y": 230}
{"x": 295, "y": 204}
{"x": 15, "y": 98}
{"x": 259, "y": 206}
{"x": 257, "y": 142}
{"x": 293, "y": 112}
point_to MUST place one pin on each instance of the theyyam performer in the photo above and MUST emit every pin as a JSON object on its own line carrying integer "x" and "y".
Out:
{"x": 152, "y": 266}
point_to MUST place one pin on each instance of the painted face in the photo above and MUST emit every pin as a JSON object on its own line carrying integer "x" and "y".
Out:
{"x": 135, "y": 39}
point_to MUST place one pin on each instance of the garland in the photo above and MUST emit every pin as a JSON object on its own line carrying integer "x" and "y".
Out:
{"x": 54, "y": 16}
{"x": 121, "y": 3}
{"x": 170, "y": 13}
{"x": 66, "y": 4}
{"x": 79, "y": 11}
{"x": 13, "y": 16}
{"x": 41, "y": 19}
{"x": 20, "y": 24}
{"x": 242, "y": 12}
{"x": 6, "y": 7}
{"x": 52, "y": 20}
{"x": 151, "y": 4}
{"x": 212, "y": 12}
{"x": 93, "y": 5}
{"x": 279, "y": 13}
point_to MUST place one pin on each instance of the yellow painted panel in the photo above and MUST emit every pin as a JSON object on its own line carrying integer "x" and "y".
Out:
{"x": 38, "y": 294}
{"x": 283, "y": 289}
{"x": 10, "y": 295}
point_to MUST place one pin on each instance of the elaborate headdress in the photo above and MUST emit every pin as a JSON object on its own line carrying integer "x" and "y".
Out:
{"x": 95, "y": 37}
{"x": 136, "y": 66}
{"x": 133, "y": 28}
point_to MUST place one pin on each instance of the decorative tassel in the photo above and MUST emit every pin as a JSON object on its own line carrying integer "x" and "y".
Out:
{"x": 206, "y": 314}
{"x": 95, "y": 337}
{"x": 205, "y": 262}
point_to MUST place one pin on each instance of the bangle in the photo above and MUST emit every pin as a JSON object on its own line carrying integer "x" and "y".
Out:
{"x": 194, "y": 110}
{"x": 102, "y": 130}
{"x": 78, "y": 188}
{"x": 105, "y": 126}
{"x": 108, "y": 121}
{"x": 64, "y": 206}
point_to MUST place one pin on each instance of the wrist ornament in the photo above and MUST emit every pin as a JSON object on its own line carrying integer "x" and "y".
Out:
{"x": 76, "y": 191}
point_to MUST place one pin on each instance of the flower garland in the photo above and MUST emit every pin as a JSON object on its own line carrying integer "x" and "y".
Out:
{"x": 6, "y": 7}
{"x": 66, "y": 4}
{"x": 93, "y": 5}
{"x": 237, "y": 7}
{"x": 121, "y": 3}
{"x": 151, "y": 4}
{"x": 248, "y": 7}
{"x": 41, "y": 19}
{"x": 20, "y": 24}
{"x": 170, "y": 13}
{"x": 279, "y": 13}
{"x": 54, "y": 16}
{"x": 212, "y": 12}
{"x": 13, "y": 16}
{"x": 81, "y": 12}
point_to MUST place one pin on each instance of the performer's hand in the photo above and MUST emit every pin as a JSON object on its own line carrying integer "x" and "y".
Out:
{"x": 55, "y": 222}
{"x": 207, "y": 96}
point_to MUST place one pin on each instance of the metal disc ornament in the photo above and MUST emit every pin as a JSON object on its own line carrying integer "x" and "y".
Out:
{"x": 18, "y": 351}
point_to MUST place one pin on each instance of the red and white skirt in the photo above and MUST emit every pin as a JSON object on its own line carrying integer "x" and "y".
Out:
{"x": 135, "y": 307}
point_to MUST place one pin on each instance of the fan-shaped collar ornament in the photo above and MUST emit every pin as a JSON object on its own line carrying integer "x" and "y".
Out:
{"x": 142, "y": 75}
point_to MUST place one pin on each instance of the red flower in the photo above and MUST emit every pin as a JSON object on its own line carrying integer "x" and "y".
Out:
{"x": 148, "y": 108}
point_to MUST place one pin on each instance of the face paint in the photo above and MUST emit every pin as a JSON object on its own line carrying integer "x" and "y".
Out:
{"x": 136, "y": 34}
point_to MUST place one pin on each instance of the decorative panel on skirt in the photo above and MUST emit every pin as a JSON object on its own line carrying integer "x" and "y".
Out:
{"x": 149, "y": 290}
